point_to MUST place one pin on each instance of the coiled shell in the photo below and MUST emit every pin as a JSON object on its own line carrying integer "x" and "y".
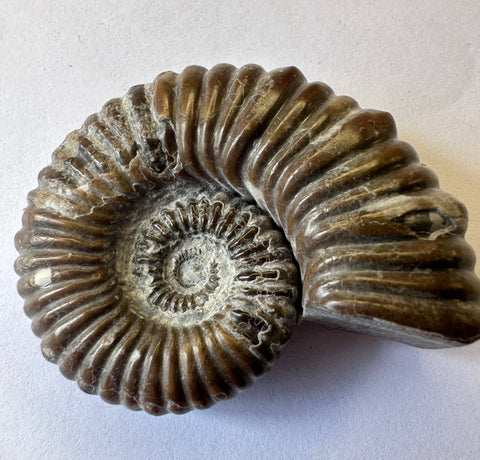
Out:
{"x": 152, "y": 257}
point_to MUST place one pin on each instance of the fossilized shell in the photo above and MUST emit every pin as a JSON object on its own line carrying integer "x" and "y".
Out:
{"x": 153, "y": 258}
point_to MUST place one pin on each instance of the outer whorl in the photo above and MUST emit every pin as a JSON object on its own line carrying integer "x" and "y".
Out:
{"x": 152, "y": 257}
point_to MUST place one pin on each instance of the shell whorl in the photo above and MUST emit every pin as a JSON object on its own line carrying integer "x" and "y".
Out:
{"x": 153, "y": 258}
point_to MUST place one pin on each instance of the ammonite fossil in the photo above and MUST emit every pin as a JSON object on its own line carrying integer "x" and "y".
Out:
{"x": 165, "y": 251}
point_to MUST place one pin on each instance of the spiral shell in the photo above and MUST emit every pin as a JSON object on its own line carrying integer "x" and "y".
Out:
{"x": 153, "y": 258}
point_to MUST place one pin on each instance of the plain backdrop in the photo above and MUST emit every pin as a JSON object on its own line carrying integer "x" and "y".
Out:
{"x": 331, "y": 395}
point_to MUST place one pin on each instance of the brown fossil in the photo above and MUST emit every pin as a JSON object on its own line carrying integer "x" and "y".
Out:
{"x": 154, "y": 259}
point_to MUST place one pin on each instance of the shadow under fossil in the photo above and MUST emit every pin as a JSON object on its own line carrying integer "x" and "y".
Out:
{"x": 316, "y": 363}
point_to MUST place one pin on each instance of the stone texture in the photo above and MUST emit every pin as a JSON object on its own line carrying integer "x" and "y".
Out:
{"x": 154, "y": 259}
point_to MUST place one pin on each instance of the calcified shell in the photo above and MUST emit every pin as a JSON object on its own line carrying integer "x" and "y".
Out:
{"x": 174, "y": 303}
{"x": 153, "y": 279}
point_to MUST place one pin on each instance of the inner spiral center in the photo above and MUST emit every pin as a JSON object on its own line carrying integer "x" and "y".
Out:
{"x": 191, "y": 268}
{"x": 182, "y": 268}
{"x": 192, "y": 253}
{"x": 191, "y": 272}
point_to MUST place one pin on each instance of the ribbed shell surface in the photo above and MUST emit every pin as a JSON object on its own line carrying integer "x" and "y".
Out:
{"x": 145, "y": 194}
